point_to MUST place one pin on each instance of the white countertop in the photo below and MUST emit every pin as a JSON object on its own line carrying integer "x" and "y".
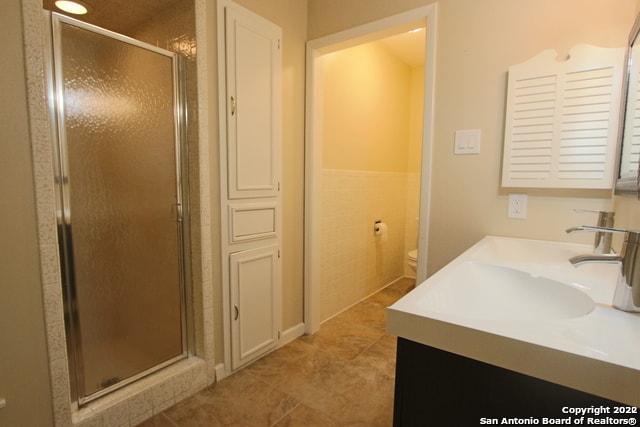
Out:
{"x": 598, "y": 352}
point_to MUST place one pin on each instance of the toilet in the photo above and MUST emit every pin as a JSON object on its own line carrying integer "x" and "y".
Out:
{"x": 412, "y": 257}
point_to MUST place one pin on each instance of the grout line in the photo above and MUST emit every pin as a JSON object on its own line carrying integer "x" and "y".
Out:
{"x": 267, "y": 383}
{"x": 287, "y": 413}
{"x": 168, "y": 418}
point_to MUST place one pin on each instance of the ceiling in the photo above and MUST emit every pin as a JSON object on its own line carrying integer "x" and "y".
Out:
{"x": 408, "y": 46}
{"x": 121, "y": 16}
{"x": 124, "y": 16}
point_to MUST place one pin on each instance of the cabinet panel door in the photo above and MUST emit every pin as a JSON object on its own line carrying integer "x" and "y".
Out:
{"x": 253, "y": 221}
{"x": 254, "y": 275}
{"x": 253, "y": 90}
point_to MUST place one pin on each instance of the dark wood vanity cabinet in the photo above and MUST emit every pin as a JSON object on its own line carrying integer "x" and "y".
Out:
{"x": 437, "y": 388}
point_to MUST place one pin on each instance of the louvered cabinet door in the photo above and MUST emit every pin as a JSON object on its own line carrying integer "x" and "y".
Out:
{"x": 562, "y": 120}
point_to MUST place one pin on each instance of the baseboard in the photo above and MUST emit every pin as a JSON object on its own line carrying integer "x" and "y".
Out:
{"x": 285, "y": 338}
{"x": 291, "y": 334}
{"x": 221, "y": 373}
{"x": 368, "y": 296}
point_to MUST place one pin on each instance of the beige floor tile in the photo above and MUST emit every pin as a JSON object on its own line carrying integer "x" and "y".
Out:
{"x": 366, "y": 313}
{"x": 343, "y": 338}
{"x": 343, "y": 375}
{"x": 302, "y": 415}
{"x": 159, "y": 420}
{"x": 240, "y": 400}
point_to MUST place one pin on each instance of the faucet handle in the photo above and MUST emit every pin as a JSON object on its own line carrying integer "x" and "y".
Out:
{"x": 591, "y": 211}
{"x": 605, "y": 218}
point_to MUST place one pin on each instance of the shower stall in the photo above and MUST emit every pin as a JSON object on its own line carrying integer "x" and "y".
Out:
{"x": 118, "y": 108}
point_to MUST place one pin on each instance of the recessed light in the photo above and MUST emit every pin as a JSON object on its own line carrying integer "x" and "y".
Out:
{"x": 74, "y": 7}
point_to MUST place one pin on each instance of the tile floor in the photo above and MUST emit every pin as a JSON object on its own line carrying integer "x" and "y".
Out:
{"x": 343, "y": 375}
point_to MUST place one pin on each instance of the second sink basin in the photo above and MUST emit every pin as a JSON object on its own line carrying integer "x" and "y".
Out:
{"x": 492, "y": 292}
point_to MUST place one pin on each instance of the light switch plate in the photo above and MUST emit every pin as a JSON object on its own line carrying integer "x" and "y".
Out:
{"x": 467, "y": 141}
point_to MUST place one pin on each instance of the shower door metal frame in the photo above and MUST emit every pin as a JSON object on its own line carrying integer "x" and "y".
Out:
{"x": 55, "y": 84}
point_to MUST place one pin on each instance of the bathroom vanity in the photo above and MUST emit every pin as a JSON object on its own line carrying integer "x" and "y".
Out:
{"x": 510, "y": 330}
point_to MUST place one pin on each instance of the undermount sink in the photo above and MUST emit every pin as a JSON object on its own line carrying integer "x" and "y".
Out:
{"x": 492, "y": 292}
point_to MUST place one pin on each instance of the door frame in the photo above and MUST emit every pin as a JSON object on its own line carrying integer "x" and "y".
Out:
{"x": 316, "y": 49}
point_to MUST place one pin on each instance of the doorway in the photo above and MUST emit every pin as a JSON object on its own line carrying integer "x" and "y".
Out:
{"x": 121, "y": 192}
{"x": 316, "y": 51}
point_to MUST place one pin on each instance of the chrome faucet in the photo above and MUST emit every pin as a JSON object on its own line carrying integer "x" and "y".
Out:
{"x": 602, "y": 242}
{"x": 627, "y": 293}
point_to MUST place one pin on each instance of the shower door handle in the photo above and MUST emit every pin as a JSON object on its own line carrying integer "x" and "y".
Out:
{"x": 177, "y": 211}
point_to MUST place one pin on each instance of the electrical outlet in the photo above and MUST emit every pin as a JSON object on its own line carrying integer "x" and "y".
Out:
{"x": 517, "y": 206}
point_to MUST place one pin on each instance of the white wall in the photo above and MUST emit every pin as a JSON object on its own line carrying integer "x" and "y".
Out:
{"x": 369, "y": 138}
{"x": 476, "y": 44}
{"x": 24, "y": 374}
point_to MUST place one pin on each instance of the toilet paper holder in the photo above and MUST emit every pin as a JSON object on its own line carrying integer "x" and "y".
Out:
{"x": 380, "y": 231}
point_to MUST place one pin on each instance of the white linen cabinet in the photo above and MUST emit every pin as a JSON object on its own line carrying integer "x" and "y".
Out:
{"x": 251, "y": 197}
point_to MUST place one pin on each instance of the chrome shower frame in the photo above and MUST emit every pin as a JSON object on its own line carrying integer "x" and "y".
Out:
{"x": 55, "y": 104}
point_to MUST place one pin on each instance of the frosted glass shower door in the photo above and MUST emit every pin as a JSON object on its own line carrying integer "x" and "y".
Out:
{"x": 121, "y": 205}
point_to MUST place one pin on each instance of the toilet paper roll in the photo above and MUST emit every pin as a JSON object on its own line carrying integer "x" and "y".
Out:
{"x": 381, "y": 232}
